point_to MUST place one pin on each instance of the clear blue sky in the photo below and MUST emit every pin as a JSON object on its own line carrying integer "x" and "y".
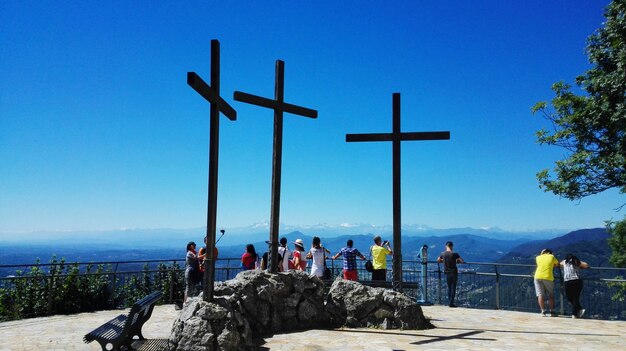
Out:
{"x": 99, "y": 130}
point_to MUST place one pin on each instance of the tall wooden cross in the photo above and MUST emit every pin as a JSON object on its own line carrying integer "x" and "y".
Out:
{"x": 279, "y": 106}
{"x": 396, "y": 136}
{"x": 212, "y": 95}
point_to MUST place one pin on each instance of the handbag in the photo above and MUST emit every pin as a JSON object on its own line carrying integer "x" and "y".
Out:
{"x": 369, "y": 266}
{"x": 327, "y": 275}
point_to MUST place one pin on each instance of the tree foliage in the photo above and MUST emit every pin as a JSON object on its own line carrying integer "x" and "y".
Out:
{"x": 592, "y": 126}
{"x": 68, "y": 288}
{"x": 617, "y": 242}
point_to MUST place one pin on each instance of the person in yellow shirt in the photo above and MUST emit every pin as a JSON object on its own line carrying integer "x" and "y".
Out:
{"x": 379, "y": 252}
{"x": 544, "y": 280}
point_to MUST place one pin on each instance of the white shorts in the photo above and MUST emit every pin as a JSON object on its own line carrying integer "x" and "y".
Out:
{"x": 544, "y": 287}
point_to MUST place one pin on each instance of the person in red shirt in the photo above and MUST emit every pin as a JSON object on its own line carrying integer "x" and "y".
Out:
{"x": 249, "y": 258}
{"x": 202, "y": 255}
{"x": 299, "y": 257}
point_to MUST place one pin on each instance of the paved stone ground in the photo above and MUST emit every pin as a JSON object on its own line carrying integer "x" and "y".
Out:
{"x": 457, "y": 329}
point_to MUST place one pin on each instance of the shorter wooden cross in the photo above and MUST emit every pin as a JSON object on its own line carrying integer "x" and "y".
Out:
{"x": 279, "y": 106}
{"x": 396, "y": 136}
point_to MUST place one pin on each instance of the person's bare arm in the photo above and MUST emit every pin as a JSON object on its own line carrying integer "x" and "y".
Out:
{"x": 584, "y": 264}
{"x": 439, "y": 259}
{"x": 296, "y": 262}
{"x": 460, "y": 260}
{"x": 337, "y": 255}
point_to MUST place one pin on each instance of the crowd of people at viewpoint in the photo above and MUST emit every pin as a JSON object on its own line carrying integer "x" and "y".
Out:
{"x": 377, "y": 265}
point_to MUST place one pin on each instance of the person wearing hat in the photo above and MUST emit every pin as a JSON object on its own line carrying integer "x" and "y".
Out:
{"x": 299, "y": 258}
{"x": 191, "y": 263}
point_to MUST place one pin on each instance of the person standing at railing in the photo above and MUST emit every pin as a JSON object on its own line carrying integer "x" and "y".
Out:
{"x": 573, "y": 282}
{"x": 202, "y": 255}
{"x": 249, "y": 259}
{"x": 191, "y": 265}
{"x": 544, "y": 281}
{"x": 299, "y": 257}
{"x": 283, "y": 254}
{"x": 449, "y": 258}
{"x": 379, "y": 251}
{"x": 317, "y": 254}
{"x": 349, "y": 261}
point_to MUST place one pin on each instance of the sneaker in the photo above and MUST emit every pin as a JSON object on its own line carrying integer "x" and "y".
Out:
{"x": 545, "y": 314}
{"x": 574, "y": 316}
{"x": 581, "y": 313}
{"x": 554, "y": 314}
{"x": 452, "y": 305}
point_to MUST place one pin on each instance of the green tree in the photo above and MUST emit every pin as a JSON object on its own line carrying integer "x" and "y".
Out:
{"x": 617, "y": 242}
{"x": 592, "y": 126}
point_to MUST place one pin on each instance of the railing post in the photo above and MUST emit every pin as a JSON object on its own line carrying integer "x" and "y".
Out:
{"x": 172, "y": 272}
{"x": 51, "y": 290}
{"x": 115, "y": 279}
{"x": 439, "y": 288}
{"x": 497, "y": 288}
{"x": 561, "y": 290}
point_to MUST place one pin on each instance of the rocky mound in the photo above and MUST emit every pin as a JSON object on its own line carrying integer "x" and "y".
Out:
{"x": 257, "y": 304}
{"x": 355, "y": 305}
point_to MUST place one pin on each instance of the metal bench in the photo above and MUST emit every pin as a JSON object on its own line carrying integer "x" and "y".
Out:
{"x": 121, "y": 330}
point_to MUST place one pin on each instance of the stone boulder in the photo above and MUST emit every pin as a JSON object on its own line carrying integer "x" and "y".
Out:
{"x": 244, "y": 309}
{"x": 355, "y": 305}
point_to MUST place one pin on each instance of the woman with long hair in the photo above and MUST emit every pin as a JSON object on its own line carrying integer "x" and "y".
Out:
{"x": 191, "y": 263}
{"x": 249, "y": 258}
{"x": 317, "y": 254}
{"x": 573, "y": 283}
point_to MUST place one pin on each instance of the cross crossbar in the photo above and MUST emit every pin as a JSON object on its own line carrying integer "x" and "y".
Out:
{"x": 200, "y": 86}
{"x": 403, "y": 136}
{"x": 274, "y": 105}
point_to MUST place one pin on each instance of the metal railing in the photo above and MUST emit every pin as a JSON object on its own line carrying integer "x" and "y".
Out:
{"x": 480, "y": 284}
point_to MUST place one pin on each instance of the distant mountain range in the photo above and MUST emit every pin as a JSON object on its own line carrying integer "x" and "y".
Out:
{"x": 589, "y": 244}
{"x": 171, "y": 238}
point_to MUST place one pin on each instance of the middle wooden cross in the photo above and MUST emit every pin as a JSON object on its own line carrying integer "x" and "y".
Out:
{"x": 279, "y": 106}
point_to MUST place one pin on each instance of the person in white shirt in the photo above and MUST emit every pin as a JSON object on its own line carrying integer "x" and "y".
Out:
{"x": 318, "y": 255}
{"x": 284, "y": 255}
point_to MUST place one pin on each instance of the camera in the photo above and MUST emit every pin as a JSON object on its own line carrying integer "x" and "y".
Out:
{"x": 385, "y": 242}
